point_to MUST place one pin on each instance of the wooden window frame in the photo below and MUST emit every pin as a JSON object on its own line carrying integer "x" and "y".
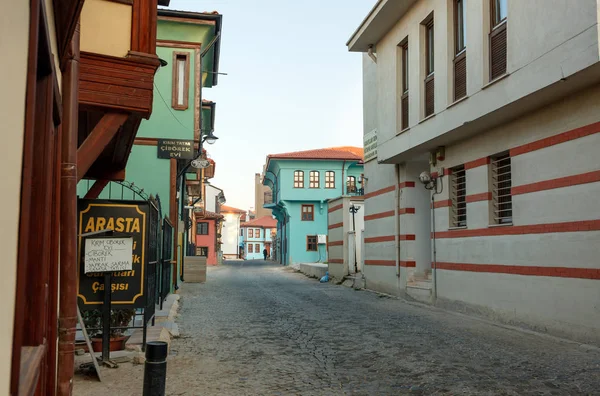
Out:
{"x": 329, "y": 179}
{"x": 429, "y": 25}
{"x": 314, "y": 179}
{"x": 494, "y": 13}
{"x": 250, "y": 248}
{"x": 309, "y": 243}
{"x": 257, "y": 233}
{"x": 311, "y": 212}
{"x": 404, "y": 101}
{"x": 199, "y": 251}
{"x": 351, "y": 184}
{"x": 175, "y": 81}
{"x": 241, "y": 232}
{"x": 198, "y": 230}
{"x": 250, "y": 233}
{"x": 298, "y": 179}
{"x": 257, "y": 248}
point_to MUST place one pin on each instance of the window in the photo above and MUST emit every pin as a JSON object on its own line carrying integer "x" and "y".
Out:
{"x": 429, "y": 68}
{"x": 250, "y": 233}
{"x": 330, "y": 179}
{"x": 314, "y": 179}
{"x": 308, "y": 212}
{"x": 351, "y": 184}
{"x": 501, "y": 181}
{"x": 460, "y": 43}
{"x": 257, "y": 233}
{"x": 311, "y": 243}
{"x": 498, "y": 39}
{"x": 181, "y": 80}
{"x": 241, "y": 232}
{"x": 202, "y": 229}
{"x": 257, "y": 248}
{"x": 202, "y": 251}
{"x": 298, "y": 179}
{"x": 250, "y": 248}
{"x": 404, "y": 98}
{"x": 458, "y": 193}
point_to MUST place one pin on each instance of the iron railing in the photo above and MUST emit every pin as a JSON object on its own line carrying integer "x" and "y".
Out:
{"x": 353, "y": 190}
{"x": 167, "y": 252}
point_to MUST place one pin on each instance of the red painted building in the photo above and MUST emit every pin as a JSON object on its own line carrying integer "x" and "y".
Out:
{"x": 207, "y": 226}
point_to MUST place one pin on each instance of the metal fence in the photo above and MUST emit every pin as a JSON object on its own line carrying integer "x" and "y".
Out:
{"x": 165, "y": 262}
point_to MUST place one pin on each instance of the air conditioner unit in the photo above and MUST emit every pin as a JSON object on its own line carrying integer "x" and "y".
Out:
{"x": 321, "y": 239}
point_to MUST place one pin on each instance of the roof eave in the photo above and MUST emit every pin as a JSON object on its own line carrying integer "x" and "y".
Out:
{"x": 384, "y": 15}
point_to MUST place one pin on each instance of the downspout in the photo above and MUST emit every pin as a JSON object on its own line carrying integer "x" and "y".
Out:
{"x": 67, "y": 311}
{"x": 397, "y": 219}
{"x": 343, "y": 169}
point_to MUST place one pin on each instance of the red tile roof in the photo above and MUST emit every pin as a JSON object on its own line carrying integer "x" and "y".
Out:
{"x": 231, "y": 209}
{"x": 331, "y": 153}
{"x": 209, "y": 216}
{"x": 263, "y": 222}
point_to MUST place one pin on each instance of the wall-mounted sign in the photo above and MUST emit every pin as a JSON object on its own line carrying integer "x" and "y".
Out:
{"x": 108, "y": 254}
{"x": 370, "y": 145}
{"x": 174, "y": 148}
{"x": 127, "y": 285}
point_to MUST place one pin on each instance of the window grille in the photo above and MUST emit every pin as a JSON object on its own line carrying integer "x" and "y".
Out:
{"x": 501, "y": 189}
{"x": 458, "y": 193}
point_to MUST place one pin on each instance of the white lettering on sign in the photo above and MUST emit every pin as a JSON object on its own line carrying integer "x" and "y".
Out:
{"x": 108, "y": 254}
{"x": 370, "y": 145}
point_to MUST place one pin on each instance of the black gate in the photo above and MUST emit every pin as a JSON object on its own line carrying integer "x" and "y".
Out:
{"x": 151, "y": 269}
{"x": 167, "y": 252}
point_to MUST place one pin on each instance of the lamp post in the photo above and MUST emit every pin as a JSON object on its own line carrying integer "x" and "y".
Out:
{"x": 354, "y": 210}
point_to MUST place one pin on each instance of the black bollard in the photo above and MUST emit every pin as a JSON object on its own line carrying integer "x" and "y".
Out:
{"x": 155, "y": 368}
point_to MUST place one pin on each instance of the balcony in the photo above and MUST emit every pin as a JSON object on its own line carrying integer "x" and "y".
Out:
{"x": 354, "y": 191}
{"x": 268, "y": 198}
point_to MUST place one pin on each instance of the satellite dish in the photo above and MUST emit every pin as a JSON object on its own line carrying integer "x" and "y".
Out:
{"x": 200, "y": 164}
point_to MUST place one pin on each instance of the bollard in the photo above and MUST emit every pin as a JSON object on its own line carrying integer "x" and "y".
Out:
{"x": 155, "y": 368}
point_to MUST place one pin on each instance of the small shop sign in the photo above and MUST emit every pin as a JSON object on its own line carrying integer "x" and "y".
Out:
{"x": 175, "y": 148}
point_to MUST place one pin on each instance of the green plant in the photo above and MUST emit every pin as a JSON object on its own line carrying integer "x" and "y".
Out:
{"x": 118, "y": 318}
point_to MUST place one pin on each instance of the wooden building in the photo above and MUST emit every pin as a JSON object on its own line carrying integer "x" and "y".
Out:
{"x": 78, "y": 85}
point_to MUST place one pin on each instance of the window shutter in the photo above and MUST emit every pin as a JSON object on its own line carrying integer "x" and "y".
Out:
{"x": 498, "y": 52}
{"x": 460, "y": 76}
{"x": 429, "y": 96}
{"x": 404, "y": 114}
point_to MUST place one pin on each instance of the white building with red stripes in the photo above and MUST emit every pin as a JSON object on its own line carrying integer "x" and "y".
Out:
{"x": 498, "y": 101}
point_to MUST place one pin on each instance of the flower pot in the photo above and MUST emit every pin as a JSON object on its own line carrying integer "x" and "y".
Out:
{"x": 116, "y": 344}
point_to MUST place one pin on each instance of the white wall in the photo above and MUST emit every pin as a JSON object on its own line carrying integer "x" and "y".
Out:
{"x": 231, "y": 234}
{"x": 14, "y": 35}
{"x": 210, "y": 200}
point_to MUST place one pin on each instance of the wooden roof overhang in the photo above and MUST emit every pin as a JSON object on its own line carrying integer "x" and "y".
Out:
{"x": 115, "y": 94}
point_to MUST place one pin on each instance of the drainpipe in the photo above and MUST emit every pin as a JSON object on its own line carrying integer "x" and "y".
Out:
{"x": 396, "y": 218}
{"x": 67, "y": 312}
{"x": 343, "y": 169}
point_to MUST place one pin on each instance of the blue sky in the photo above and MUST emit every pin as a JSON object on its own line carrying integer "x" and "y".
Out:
{"x": 291, "y": 84}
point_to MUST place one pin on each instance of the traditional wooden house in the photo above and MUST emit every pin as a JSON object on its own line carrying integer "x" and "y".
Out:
{"x": 78, "y": 85}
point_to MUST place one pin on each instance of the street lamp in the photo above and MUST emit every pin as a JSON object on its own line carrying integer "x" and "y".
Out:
{"x": 430, "y": 182}
{"x": 210, "y": 138}
{"x": 354, "y": 210}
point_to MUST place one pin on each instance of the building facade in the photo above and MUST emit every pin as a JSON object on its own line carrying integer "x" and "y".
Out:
{"x": 231, "y": 234}
{"x": 261, "y": 192}
{"x": 256, "y": 236}
{"x": 345, "y": 243}
{"x": 501, "y": 115}
{"x": 301, "y": 183}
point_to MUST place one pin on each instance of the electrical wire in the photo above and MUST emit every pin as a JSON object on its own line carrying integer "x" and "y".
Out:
{"x": 171, "y": 111}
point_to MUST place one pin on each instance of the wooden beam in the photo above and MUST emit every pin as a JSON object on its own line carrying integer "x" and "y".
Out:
{"x": 97, "y": 141}
{"x": 96, "y": 189}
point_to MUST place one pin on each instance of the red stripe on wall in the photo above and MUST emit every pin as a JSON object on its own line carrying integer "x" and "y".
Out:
{"x": 561, "y": 272}
{"x": 477, "y": 163}
{"x": 336, "y": 225}
{"x": 379, "y": 215}
{"x": 556, "y": 139}
{"x": 486, "y": 196}
{"x": 408, "y": 237}
{"x": 583, "y": 178}
{"x": 336, "y": 261}
{"x": 407, "y": 184}
{"x": 336, "y": 243}
{"x": 443, "y": 204}
{"x": 391, "y": 263}
{"x": 404, "y": 211}
{"x": 572, "y": 226}
{"x": 334, "y": 208}
{"x": 387, "y": 238}
{"x": 379, "y": 192}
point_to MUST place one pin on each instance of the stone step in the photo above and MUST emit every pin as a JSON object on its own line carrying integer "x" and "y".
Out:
{"x": 419, "y": 293}
{"x": 419, "y": 284}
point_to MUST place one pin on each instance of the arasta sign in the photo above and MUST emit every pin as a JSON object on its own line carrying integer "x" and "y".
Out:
{"x": 127, "y": 286}
{"x": 173, "y": 148}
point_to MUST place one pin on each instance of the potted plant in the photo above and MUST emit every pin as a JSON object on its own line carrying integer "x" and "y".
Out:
{"x": 118, "y": 318}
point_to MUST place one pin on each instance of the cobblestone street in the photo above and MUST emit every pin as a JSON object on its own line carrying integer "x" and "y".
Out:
{"x": 257, "y": 329}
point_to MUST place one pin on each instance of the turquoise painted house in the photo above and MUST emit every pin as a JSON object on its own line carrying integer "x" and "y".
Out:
{"x": 256, "y": 236}
{"x": 189, "y": 45}
{"x": 301, "y": 183}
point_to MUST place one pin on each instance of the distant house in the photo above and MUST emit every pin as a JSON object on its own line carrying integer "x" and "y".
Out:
{"x": 301, "y": 183}
{"x": 257, "y": 235}
{"x": 231, "y": 231}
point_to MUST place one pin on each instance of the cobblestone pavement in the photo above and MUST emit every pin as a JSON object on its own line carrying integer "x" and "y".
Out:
{"x": 256, "y": 329}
